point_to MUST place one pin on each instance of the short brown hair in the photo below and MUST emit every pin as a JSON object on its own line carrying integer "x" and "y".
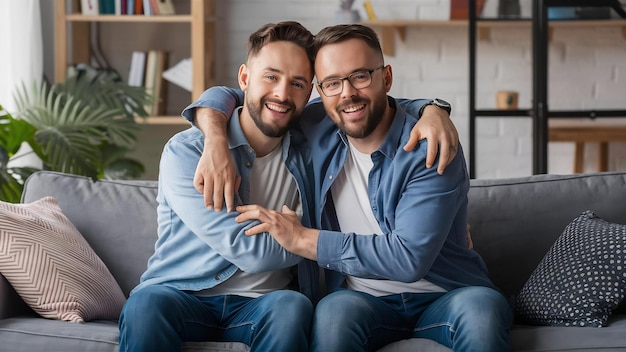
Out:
{"x": 342, "y": 32}
{"x": 289, "y": 31}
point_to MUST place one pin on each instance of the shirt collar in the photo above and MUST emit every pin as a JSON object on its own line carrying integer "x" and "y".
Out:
{"x": 236, "y": 137}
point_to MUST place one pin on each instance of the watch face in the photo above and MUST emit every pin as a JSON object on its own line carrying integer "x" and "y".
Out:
{"x": 442, "y": 103}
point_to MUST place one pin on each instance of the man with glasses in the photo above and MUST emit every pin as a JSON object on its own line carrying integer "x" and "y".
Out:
{"x": 393, "y": 230}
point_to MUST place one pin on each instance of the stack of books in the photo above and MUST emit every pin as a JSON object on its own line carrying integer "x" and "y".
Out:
{"x": 146, "y": 70}
{"x": 127, "y": 7}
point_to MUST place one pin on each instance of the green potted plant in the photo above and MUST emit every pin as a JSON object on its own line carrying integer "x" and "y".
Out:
{"x": 84, "y": 126}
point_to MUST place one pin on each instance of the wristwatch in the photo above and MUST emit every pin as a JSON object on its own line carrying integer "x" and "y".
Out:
{"x": 440, "y": 103}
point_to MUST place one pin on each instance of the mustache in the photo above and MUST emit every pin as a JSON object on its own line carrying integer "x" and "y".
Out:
{"x": 351, "y": 101}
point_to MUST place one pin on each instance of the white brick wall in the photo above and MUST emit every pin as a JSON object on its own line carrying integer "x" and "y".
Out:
{"x": 587, "y": 70}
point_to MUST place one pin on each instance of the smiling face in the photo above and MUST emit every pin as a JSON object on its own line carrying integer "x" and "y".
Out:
{"x": 357, "y": 112}
{"x": 277, "y": 85}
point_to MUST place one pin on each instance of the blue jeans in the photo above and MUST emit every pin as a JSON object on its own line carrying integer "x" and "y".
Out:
{"x": 465, "y": 319}
{"x": 161, "y": 318}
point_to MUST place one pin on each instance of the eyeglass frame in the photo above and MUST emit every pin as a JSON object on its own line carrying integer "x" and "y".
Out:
{"x": 347, "y": 78}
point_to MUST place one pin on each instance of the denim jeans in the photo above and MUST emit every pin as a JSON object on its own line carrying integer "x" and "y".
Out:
{"x": 465, "y": 319}
{"x": 160, "y": 318}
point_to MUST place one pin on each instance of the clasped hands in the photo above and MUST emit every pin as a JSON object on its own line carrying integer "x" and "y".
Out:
{"x": 284, "y": 226}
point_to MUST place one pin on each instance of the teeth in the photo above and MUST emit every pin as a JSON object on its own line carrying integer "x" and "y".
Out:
{"x": 277, "y": 108}
{"x": 354, "y": 108}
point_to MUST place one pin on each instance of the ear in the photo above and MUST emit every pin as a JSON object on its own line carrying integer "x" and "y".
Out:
{"x": 242, "y": 77}
{"x": 387, "y": 77}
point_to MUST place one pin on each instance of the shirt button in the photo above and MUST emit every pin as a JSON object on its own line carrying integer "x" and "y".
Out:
{"x": 330, "y": 177}
{"x": 328, "y": 265}
{"x": 248, "y": 164}
{"x": 217, "y": 277}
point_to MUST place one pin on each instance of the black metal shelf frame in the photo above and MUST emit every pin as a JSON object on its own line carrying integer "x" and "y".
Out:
{"x": 539, "y": 111}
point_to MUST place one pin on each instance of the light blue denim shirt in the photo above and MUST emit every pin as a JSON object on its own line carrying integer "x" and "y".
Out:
{"x": 198, "y": 248}
{"x": 422, "y": 214}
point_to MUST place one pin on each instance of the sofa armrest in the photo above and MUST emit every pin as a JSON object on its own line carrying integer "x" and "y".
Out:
{"x": 10, "y": 302}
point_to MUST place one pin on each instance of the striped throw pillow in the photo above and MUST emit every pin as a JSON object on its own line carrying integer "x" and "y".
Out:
{"x": 52, "y": 267}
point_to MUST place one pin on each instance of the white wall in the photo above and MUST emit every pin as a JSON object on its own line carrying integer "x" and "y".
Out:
{"x": 587, "y": 71}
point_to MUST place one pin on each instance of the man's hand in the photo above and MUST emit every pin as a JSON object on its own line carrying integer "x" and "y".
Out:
{"x": 216, "y": 177}
{"x": 436, "y": 126}
{"x": 216, "y": 174}
{"x": 284, "y": 226}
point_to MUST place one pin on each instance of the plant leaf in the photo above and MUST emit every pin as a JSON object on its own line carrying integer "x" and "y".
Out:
{"x": 12, "y": 183}
{"x": 13, "y": 133}
{"x": 75, "y": 120}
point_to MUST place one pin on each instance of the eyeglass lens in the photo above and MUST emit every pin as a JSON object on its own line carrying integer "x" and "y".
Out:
{"x": 358, "y": 80}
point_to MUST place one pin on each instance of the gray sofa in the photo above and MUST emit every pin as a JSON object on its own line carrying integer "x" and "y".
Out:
{"x": 514, "y": 222}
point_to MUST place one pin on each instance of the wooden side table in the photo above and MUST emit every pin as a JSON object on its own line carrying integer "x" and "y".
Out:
{"x": 581, "y": 132}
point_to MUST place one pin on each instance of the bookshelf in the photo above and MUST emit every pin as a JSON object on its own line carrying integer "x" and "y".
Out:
{"x": 539, "y": 113}
{"x": 72, "y": 42}
{"x": 388, "y": 28}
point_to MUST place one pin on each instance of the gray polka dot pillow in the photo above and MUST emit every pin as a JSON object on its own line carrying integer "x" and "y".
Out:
{"x": 581, "y": 279}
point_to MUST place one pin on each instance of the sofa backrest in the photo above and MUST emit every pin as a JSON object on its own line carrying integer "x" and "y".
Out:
{"x": 117, "y": 218}
{"x": 514, "y": 222}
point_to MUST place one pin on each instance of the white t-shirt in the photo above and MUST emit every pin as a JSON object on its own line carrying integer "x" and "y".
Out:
{"x": 271, "y": 186}
{"x": 355, "y": 215}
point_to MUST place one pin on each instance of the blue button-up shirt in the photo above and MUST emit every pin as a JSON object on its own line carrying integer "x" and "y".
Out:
{"x": 197, "y": 248}
{"x": 423, "y": 215}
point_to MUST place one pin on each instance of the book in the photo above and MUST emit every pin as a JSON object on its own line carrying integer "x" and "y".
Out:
{"x": 150, "y": 78}
{"x": 459, "y": 9}
{"x": 154, "y": 7}
{"x": 160, "y": 88}
{"x": 137, "y": 69}
{"x": 138, "y": 7}
{"x": 154, "y": 84}
{"x": 107, "y": 7}
{"x": 90, "y": 7}
{"x": 166, "y": 7}
{"x": 147, "y": 8}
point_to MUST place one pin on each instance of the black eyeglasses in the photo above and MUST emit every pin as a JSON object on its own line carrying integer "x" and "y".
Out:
{"x": 359, "y": 80}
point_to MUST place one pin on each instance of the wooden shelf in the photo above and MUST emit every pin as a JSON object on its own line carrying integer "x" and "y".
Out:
{"x": 162, "y": 120}
{"x": 75, "y": 17}
{"x": 201, "y": 36}
{"x": 388, "y": 28}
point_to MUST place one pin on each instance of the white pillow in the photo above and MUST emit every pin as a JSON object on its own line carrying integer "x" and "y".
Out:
{"x": 52, "y": 267}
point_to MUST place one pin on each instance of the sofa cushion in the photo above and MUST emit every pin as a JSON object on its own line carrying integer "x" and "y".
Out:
{"x": 515, "y": 221}
{"x": 28, "y": 334}
{"x": 117, "y": 218}
{"x": 581, "y": 279}
{"x": 52, "y": 267}
{"x": 526, "y": 338}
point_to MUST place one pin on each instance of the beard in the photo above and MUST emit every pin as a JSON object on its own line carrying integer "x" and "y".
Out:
{"x": 271, "y": 129}
{"x": 376, "y": 115}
